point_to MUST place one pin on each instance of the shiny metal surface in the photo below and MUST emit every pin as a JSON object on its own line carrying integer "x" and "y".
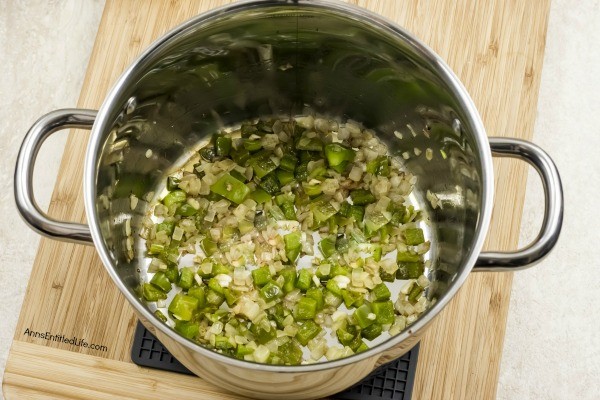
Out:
{"x": 274, "y": 58}
{"x": 553, "y": 211}
{"x": 38, "y": 220}
{"x": 314, "y": 56}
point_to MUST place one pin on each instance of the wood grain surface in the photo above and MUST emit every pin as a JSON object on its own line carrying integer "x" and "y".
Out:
{"x": 496, "y": 47}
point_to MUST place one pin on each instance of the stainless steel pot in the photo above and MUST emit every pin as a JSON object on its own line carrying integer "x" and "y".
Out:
{"x": 281, "y": 58}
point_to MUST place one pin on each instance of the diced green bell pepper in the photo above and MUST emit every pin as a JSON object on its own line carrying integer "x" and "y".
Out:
{"x": 344, "y": 337}
{"x": 312, "y": 189}
{"x": 342, "y": 244}
{"x": 352, "y": 299}
{"x": 305, "y": 309}
{"x": 375, "y": 220}
{"x": 252, "y": 145}
{"x": 307, "y": 331}
{"x": 156, "y": 248}
{"x": 414, "y": 236}
{"x": 317, "y": 295}
{"x": 350, "y": 337}
{"x": 245, "y": 226}
{"x": 242, "y": 351}
{"x": 208, "y": 154}
{"x": 301, "y": 172}
{"x": 259, "y": 196}
{"x": 167, "y": 227}
{"x": 289, "y": 279}
{"x": 230, "y": 188}
{"x": 361, "y": 197}
{"x": 340, "y": 168}
{"x": 222, "y": 145}
{"x": 352, "y": 211}
{"x": 172, "y": 273}
{"x": 379, "y": 166}
{"x": 372, "y": 331}
{"x": 220, "y": 269}
{"x": 381, "y": 292}
{"x": 270, "y": 292}
{"x": 173, "y": 183}
{"x": 338, "y": 269}
{"x": 198, "y": 292}
{"x": 186, "y": 278}
{"x": 262, "y": 166}
{"x": 214, "y": 298}
{"x": 289, "y": 211}
{"x": 152, "y": 293}
{"x": 385, "y": 233}
{"x": 384, "y": 312}
{"x": 334, "y": 288}
{"x": 248, "y": 130}
{"x": 286, "y": 203}
{"x": 318, "y": 170}
{"x": 285, "y": 177}
{"x": 361, "y": 316}
{"x": 186, "y": 210}
{"x": 170, "y": 253}
{"x": 288, "y": 163}
{"x": 270, "y": 184}
{"x": 238, "y": 175}
{"x": 398, "y": 212}
{"x": 231, "y": 296}
{"x": 386, "y": 277}
{"x": 309, "y": 144}
{"x": 264, "y": 126}
{"x": 276, "y": 213}
{"x": 363, "y": 347}
{"x": 410, "y": 270}
{"x": 214, "y": 284}
{"x": 407, "y": 257}
{"x": 262, "y": 335}
{"x": 322, "y": 210}
{"x": 290, "y": 353}
{"x": 345, "y": 209}
{"x": 415, "y": 293}
{"x": 278, "y": 314}
{"x": 327, "y": 247}
{"x": 176, "y": 196}
{"x": 158, "y": 314}
{"x": 187, "y": 329}
{"x": 304, "y": 279}
{"x": 293, "y": 246}
{"x": 241, "y": 156}
{"x": 261, "y": 276}
{"x": 337, "y": 154}
{"x": 183, "y": 306}
{"x": 376, "y": 252}
{"x": 161, "y": 281}
{"x": 222, "y": 343}
{"x": 209, "y": 246}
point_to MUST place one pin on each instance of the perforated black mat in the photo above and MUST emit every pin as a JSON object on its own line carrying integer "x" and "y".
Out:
{"x": 391, "y": 381}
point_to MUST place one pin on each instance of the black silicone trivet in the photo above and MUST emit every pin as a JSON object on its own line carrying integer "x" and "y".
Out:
{"x": 392, "y": 381}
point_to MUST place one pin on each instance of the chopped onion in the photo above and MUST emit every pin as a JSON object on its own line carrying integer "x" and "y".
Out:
{"x": 230, "y": 236}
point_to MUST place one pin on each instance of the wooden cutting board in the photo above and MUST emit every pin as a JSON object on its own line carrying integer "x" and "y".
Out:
{"x": 496, "y": 47}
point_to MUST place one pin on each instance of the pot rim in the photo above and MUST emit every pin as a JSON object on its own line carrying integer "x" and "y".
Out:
{"x": 441, "y": 69}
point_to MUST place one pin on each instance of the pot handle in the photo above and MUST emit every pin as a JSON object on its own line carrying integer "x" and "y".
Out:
{"x": 38, "y": 220}
{"x": 553, "y": 211}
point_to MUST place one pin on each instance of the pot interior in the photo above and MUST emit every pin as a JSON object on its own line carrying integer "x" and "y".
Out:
{"x": 274, "y": 59}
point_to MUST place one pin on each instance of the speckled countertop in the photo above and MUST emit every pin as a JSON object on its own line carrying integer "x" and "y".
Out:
{"x": 552, "y": 344}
